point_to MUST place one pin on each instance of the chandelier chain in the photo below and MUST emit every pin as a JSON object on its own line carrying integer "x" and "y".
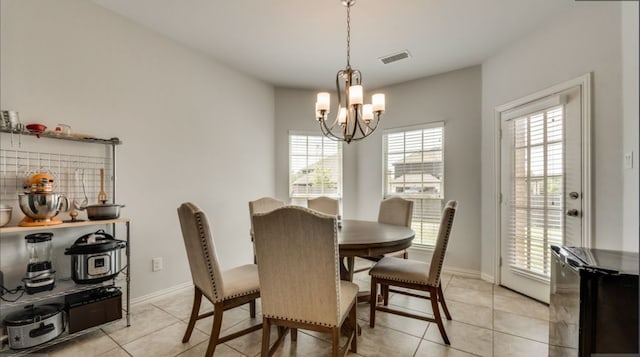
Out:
{"x": 348, "y": 36}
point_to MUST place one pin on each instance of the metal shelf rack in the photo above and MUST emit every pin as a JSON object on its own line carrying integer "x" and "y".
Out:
{"x": 9, "y": 163}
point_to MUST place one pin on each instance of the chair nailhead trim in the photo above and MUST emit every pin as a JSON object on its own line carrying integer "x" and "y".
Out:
{"x": 450, "y": 214}
{"x": 249, "y": 292}
{"x": 400, "y": 280}
{"x": 300, "y": 321}
{"x": 204, "y": 243}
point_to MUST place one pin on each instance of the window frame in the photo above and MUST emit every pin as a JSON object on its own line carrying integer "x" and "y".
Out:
{"x": 340, "y": 152}
{"x": 419, "y": 242}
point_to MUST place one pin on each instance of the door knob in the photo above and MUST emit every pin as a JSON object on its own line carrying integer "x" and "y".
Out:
{"x": 573, "y": 213}
{"x": 574, "y": 195}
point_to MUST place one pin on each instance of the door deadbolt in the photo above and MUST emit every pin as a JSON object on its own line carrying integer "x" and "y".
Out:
{"x": 574, "y": 195}
{"x": 573, "y": 213}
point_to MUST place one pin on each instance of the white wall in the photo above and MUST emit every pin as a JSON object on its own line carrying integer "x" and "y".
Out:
{"x": 585, "y": 40}
{"x": 631, "y": 219}
{"x": 183, "y": 119}
{"x": 453, "y": 97}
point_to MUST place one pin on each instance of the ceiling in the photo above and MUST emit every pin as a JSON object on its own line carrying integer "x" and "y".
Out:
{"x": 302, "y": 43}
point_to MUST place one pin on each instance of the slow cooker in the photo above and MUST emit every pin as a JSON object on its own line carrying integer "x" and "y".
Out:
{"x": 34, "y": 325}
{"x": 95, "y": 257}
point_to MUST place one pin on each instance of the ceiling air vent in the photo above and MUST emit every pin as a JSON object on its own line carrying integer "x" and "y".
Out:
{"x": 394, "y": 57}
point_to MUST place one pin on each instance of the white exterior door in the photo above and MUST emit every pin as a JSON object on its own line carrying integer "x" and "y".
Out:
{"x": 541, "y": 188}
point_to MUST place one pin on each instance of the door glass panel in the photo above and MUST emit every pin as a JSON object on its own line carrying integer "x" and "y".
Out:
{"x": 536, "y": 190}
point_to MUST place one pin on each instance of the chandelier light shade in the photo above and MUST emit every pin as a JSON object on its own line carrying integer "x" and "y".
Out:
{"x": 354, "y": 120}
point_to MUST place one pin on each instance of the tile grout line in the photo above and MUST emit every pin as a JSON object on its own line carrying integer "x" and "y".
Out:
{"x": 116, "y": 342}
{"x": 421, "y": 338}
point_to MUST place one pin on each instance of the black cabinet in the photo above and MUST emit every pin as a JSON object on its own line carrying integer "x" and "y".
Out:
{"x": 594, "y": 301}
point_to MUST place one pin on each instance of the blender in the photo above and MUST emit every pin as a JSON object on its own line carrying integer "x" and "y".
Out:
{"x": 40, "y": 275}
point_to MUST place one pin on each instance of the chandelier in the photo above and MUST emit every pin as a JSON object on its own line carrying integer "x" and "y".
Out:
{"x": 354, "y": 120}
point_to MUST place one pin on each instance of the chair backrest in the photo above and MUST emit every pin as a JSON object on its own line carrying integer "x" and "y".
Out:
{"x": 396, "y": 211}
{"x": 201, "y": 252}
{"x": 326, "y": 205}
{"x": 263, "y": 205}
{"x": 297, "y": 255}
{"x": 446, "y": 222}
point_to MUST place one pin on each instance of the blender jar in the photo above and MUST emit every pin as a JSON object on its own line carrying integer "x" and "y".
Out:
{"x": 39, "y": 247}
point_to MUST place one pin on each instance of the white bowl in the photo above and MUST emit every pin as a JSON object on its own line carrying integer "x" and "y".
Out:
{"x": 5, "y": 214}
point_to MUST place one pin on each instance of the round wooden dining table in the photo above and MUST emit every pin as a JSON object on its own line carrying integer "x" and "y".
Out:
{"x": 369, "y": 239}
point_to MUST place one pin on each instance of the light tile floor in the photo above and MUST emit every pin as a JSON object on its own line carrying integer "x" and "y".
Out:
{"x": 487, "y": 321}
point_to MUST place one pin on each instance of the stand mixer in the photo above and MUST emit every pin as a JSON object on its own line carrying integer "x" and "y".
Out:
{"x": 39, "y": 203}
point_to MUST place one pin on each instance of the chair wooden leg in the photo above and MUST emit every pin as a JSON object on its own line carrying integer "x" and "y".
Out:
{"x": 266, "y": 334}
{"x": 215, "y": 329}
{"x": 373, "y": 300}
{"x": 353, "y": 321}
{"x": 294, "y": 334}
{"x": 433, "y": 292}
{"x": 335, "y": 340}
{"x": 405, "y": 255}
{"x": 443, "y": 303}
{"x": 252, "y": 308}
{"x": 195, "y": 310}
{"x": 385, "y": 294}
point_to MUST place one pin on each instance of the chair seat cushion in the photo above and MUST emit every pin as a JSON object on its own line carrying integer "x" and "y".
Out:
{"x": 403, "y": 270}
{"x": 239, "y": 281}
{"x": 348, "y": 292}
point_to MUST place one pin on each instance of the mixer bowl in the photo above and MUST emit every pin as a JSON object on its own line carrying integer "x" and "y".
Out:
{"x": 42, "y": 206}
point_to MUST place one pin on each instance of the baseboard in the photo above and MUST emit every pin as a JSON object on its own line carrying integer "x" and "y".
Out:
{"x": 159, "y": 293}
{"x": 488, "y": 278}
{"x": 462, "y": 272}
{"x": 189, "y": 284}
{"x": 423, "y": 254}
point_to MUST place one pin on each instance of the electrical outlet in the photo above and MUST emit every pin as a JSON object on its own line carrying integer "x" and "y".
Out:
{"x": 156, "y": 264}
{"x": 628, "y": 160}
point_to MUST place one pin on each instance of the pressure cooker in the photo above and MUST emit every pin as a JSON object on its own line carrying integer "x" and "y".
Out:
{"x": 34, "y": 325}
{"x": 95, "y": 257}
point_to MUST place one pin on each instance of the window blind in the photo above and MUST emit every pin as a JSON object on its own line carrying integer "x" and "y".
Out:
{"x": 414, "y": 170}
{"x": 315, "y": 167}
{"x": 537, "y": 206}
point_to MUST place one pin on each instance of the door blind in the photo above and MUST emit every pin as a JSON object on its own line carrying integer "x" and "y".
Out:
{"x": 536, "y": 199}
{"x": 414, "y": 170}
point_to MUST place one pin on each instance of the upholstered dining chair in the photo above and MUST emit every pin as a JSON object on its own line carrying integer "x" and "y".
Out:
{"x": 396, "y": 211}
{"x": 326, "y": 205}
{"x": 226, "y": 289}
{"x": 415, "y": 275}
{"x": 297, "y": 252}
{"x": 261, "y": 205}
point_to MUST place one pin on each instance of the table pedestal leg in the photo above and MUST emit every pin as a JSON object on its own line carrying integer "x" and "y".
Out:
{"x": 346, "y": 273}
{"x": 346, "y": 268}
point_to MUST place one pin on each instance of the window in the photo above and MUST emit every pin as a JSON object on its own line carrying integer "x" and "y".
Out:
{"x": 315, "y": 167}
{"x": 414, "y": 170}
